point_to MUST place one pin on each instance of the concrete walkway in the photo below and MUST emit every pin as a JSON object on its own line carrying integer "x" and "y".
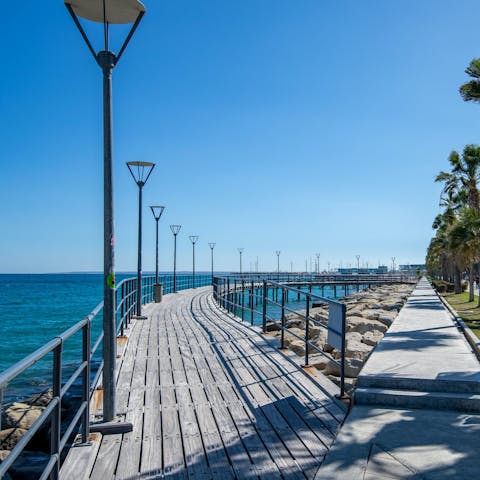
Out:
{"x": 416, "y": 413}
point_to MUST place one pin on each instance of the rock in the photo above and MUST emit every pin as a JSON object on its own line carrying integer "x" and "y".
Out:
{"x": 357, "y": 349}
{"x": 4, "y": 454}
{"x": 271, "y": 327}
{"x": 21, "y": 415}
{"x": 40, "y": 400}
{"x": 318, "y": 361}
{"x": 353, "y": 337}
{"x": 289, "y": 339}
{"x": 362, "y": 325}
{"x": 318, "y": 334}
{"x": 10, "y": 437}
{"x": 349, "y": 383}
{"x": 298, "y": 347}
{"x": 372, "y": 338}
{"x": 386, "y": 319}
{"x": 371, "y": 314}
{"x": 352, "y": 368}
{"x": 29, "y": 465}
{"x": 327, "y": 348}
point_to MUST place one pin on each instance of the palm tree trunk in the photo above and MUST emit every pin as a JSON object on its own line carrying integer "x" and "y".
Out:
{"x": 471, "y": 280}
{"x": 458, "y": 280}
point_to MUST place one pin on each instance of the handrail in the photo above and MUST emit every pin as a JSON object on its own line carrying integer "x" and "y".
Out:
{"x": 126, "y": 298}
{"x": 227, "y": 290}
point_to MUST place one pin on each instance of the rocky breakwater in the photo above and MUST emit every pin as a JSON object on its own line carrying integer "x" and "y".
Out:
{"x": 17, "y": 419}
{"x": 369, "y": 315}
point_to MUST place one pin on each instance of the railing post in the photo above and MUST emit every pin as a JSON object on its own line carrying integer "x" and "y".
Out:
{"x": 56, "y": 420}
{"x": 342, "y": 367}
{"x": 243, "y": 300}
{"x": 122, "y": 310}
{"x": 235, "y": 299}
{"x": 264, "y": 308}
{"x": 307, "y": 329}
{"x": 251, "y": 304}
{"x": 283, "y": 322}
{"x": 229, "y": 309}
{"x": 86, "y": 380}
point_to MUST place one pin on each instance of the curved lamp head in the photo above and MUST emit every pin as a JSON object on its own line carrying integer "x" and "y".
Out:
{"x": 175, "y": 229}
{"x": 278, "y": 252}
{"x": 140, "y": 171}
{"x": 107, "y": 11}
{"x": 157, "y": 211}
{"x": 211, "y": 245}
{"x": 193, "y": 238}
{"x": 240, "y": 250}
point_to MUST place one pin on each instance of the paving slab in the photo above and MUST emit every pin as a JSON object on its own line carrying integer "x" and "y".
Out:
{"x": 423, "y": 343}
{"x": 390, "y": 443}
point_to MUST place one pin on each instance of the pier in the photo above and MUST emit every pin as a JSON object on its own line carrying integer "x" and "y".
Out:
{"x": 210, "y": 397}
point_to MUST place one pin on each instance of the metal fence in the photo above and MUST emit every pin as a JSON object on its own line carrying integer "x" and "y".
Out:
{"x": 62, "y": 380}
{"x": 245, "y": 298}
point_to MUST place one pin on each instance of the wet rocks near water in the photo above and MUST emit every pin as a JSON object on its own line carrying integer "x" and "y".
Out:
{"x": 369, "y": 315}
{"x": 17, "y": 419}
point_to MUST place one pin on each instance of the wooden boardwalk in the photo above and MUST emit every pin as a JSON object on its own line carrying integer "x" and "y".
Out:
{"x": 210, "y": 398}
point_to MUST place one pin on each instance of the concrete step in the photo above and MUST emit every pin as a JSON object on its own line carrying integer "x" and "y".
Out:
{"x": 464, "y": 385}
{"x": 466, "y": 402}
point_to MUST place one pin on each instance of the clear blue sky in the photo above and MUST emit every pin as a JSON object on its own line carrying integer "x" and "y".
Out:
{"x": 301, "y": 126}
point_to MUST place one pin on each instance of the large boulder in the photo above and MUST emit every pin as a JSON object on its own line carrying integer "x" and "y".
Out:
{"x": 40, "y": 400}
{"x": 362, "y": 325}
{"x": 352, "y": 368}
{"x": 372, "y": 338}
{"x": 21, "y": 415}
{"x": 10, "y": 437}
{"x": 357, "y": 349}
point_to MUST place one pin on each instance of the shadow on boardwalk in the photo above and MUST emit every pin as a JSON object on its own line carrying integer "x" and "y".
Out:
{"x": 388, "y": 443}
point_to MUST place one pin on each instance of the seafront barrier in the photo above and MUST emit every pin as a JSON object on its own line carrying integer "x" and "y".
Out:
{"x": 37, "y": 432}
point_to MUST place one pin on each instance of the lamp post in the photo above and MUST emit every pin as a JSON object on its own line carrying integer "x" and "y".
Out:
{"x": 121, "y": 12}
{"x": 393, "y": 263}
{"x": 193, "y": 239}
{"x": 175, "y": 229}
{"x": 318, "y": 262}
{"x": 240, "y": 251}
{"x": 277, "y": 252}
{"x": 157, "y": 211}
{"x": 358, "y": 263}
{"x": 212, "y": 246}
{"x": 140, "y": 172}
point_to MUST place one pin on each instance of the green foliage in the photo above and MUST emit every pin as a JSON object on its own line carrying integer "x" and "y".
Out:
{"x": 470, "y": 91}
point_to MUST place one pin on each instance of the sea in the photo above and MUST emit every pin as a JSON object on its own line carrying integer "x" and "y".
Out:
{"x": 34, "y": 308}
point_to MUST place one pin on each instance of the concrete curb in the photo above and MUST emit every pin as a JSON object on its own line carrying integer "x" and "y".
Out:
{"x": 472, "y": 339}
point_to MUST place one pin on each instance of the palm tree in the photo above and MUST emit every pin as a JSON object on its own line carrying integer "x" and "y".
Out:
{"x": 465, "y": 241}
{"x": 470, "y": 91}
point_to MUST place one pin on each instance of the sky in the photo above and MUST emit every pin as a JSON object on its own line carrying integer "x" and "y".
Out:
{"x": 305, "y": 126}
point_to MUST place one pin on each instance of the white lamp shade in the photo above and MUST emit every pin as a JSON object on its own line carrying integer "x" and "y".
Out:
{"x": 116, "y": 11}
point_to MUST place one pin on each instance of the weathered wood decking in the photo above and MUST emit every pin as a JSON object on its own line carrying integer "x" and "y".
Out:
{"x": 209, "y": 398}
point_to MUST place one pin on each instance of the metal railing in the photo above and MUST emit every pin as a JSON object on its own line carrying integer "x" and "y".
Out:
{"x": 243, "y": 297}
{"x": 62, "y": 380}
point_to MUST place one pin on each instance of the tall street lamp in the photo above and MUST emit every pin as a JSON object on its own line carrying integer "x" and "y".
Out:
{"x": 277, "y": 252}
{"x": 212, "y": 246}
{"x": 393, "y": 263}
{"x": 140, "y": 172}
{"x": 240, "y": 251}
{"x": 120, "y": 12}
{"x": 157, "y": 211}
{"x": 193, "y": 239}
{"x": 318, "y": 262}
{"x": 358, "y": 263}
{"x": 175, "y": 229}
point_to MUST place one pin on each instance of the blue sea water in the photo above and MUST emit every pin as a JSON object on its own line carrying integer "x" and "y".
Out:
{"x": 34, "y": 308}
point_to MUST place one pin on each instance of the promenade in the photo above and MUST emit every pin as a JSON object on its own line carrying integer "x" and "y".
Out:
{"x": 417, "y": 405}
{"x": 210, "y": 397}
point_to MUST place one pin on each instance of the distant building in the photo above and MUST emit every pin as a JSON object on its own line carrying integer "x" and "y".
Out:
{"x": 363, "y": 271}
{"x": 412, "y": 267}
